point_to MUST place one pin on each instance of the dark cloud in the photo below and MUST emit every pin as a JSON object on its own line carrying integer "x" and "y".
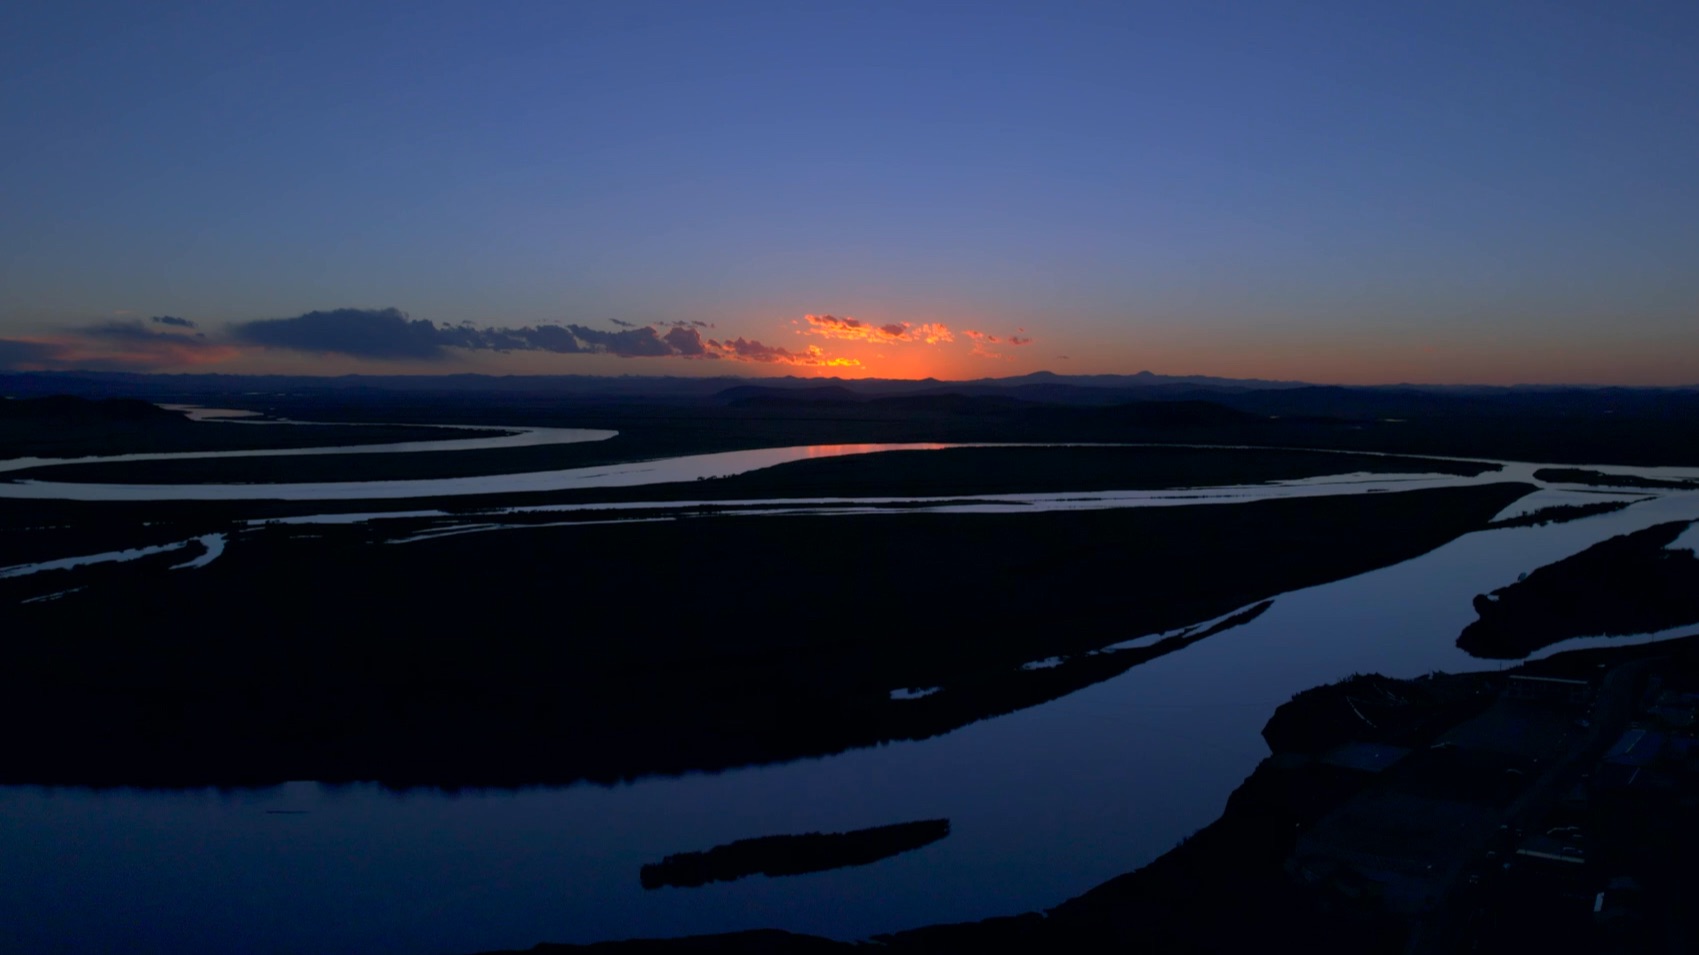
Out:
{"x": 687, "y": 342}
{"x": 390, "y": 334}
{"x": 492, "y": 339}
{"x": 640, "y": 342}
{"x": 362, "y": 333}
{"x": 749, "y": 351}
{"x": 623, "y": 324}
{"x": 553, "y": 338}
{"x": 172, "y": 320}
{"x": 741, "y": 349}
{"x": 136, "y": 332}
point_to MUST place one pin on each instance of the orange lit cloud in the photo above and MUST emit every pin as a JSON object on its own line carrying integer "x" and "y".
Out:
{"x": 687, "y": 342}
{"x": 982, "y": 341}
{"x": 856, "y": 330}
{"x": 741, "y": 349}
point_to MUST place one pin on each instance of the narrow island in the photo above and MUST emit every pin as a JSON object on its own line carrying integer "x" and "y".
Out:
{"x": 775, "y": 856}
{"x": 1631, "y": 584}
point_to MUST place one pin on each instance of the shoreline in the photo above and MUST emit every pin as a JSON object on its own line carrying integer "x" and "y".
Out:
{"x": 1286, "y": 857}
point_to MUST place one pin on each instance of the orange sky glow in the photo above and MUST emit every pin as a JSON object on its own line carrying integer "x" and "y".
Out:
{"x": 825, "y": 345}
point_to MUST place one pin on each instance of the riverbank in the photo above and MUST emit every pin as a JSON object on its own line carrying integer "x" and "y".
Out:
{"x": 56, "y": 429}
{"x": 476, "y": 659}
{"x": 1335, "y": 842}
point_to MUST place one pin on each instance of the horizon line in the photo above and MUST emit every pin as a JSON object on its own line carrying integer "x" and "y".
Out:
{"x": 1200, "y": 379}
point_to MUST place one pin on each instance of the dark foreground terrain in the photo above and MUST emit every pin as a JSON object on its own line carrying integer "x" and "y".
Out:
{"x": 35, "y": 530}
{"x": 602, "y": 652}
{"x": 1451, "y": 813}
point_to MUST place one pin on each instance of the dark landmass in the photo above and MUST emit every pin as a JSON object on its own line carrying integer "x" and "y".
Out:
{"x": 1642, "y": 426}
{"x": 1626, "y": 585}
{"x": 1561, "y": 847}
{"x": 32, "y": 530}
{"x": 65, "y": 426}
{"x": 324, "y": 652}
{"x": 791, "y": 855}
{"x": 71, "y": 410}
{"x": 648, "y": 432}
{"x": 1600, "y": 479}
{"x": 1369, "y": 707}
{"x": 971, "y": 471}
{"x": 941, "y": 472}
{"x": 652, "y": 441}
{"x": 1563, "y": 513}
{"x": 574, "y": 387}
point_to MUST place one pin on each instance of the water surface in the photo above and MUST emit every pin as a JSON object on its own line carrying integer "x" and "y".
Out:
{"x": 1044, "y": 803}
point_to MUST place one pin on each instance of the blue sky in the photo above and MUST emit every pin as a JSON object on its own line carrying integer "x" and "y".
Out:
{"x": 1328, "y": 191}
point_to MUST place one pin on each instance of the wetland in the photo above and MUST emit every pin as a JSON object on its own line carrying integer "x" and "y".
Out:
{"x": 1067, "y": 650}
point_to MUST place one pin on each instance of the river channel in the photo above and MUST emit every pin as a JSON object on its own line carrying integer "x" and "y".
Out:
{"x": 1044, "y": 803}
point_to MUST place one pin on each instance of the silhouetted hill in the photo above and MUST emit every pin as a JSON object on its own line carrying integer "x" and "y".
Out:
{"x": 1178, "y": 414}
{"x": 69, "y": 426}
{"x": 764, "y": 394}
{"x": 71, "y": 409}
{"x": 1143, "y": 379}
{"x": 1329, "y": 401}
{"x": 950, "y": 402}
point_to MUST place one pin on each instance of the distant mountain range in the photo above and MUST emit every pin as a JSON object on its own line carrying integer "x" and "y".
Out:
{"x": 1041, "y": 386}
{"x": 1295, "y": 401}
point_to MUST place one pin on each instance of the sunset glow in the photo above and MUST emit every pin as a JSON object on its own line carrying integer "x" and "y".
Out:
{"x": 434, "y": 437}
{"x": 1441, "y": 195}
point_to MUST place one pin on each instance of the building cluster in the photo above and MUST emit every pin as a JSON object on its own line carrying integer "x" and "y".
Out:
{"x": 1564, "y": 815}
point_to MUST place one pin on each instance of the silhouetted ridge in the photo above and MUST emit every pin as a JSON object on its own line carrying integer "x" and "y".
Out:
{"x": 743, "y": 395}
{"x": 1333, "y": 401}
{"x": 950, "y": 402}
{"x": 1178, "y": 414}
{"x": 72, "y": 409}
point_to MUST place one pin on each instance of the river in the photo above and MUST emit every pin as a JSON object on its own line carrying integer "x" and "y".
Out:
{"x": 1044, "y": 803}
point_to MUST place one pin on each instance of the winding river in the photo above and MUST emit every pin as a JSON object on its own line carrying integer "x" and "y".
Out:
{"x": 1044, "y": 803}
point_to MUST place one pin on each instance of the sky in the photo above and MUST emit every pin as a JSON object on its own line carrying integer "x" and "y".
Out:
{"x": 1439, "y": 192}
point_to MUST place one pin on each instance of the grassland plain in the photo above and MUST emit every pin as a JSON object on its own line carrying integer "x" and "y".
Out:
{"x": 555, "y": 654}
{"x": 67, "y": 427}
